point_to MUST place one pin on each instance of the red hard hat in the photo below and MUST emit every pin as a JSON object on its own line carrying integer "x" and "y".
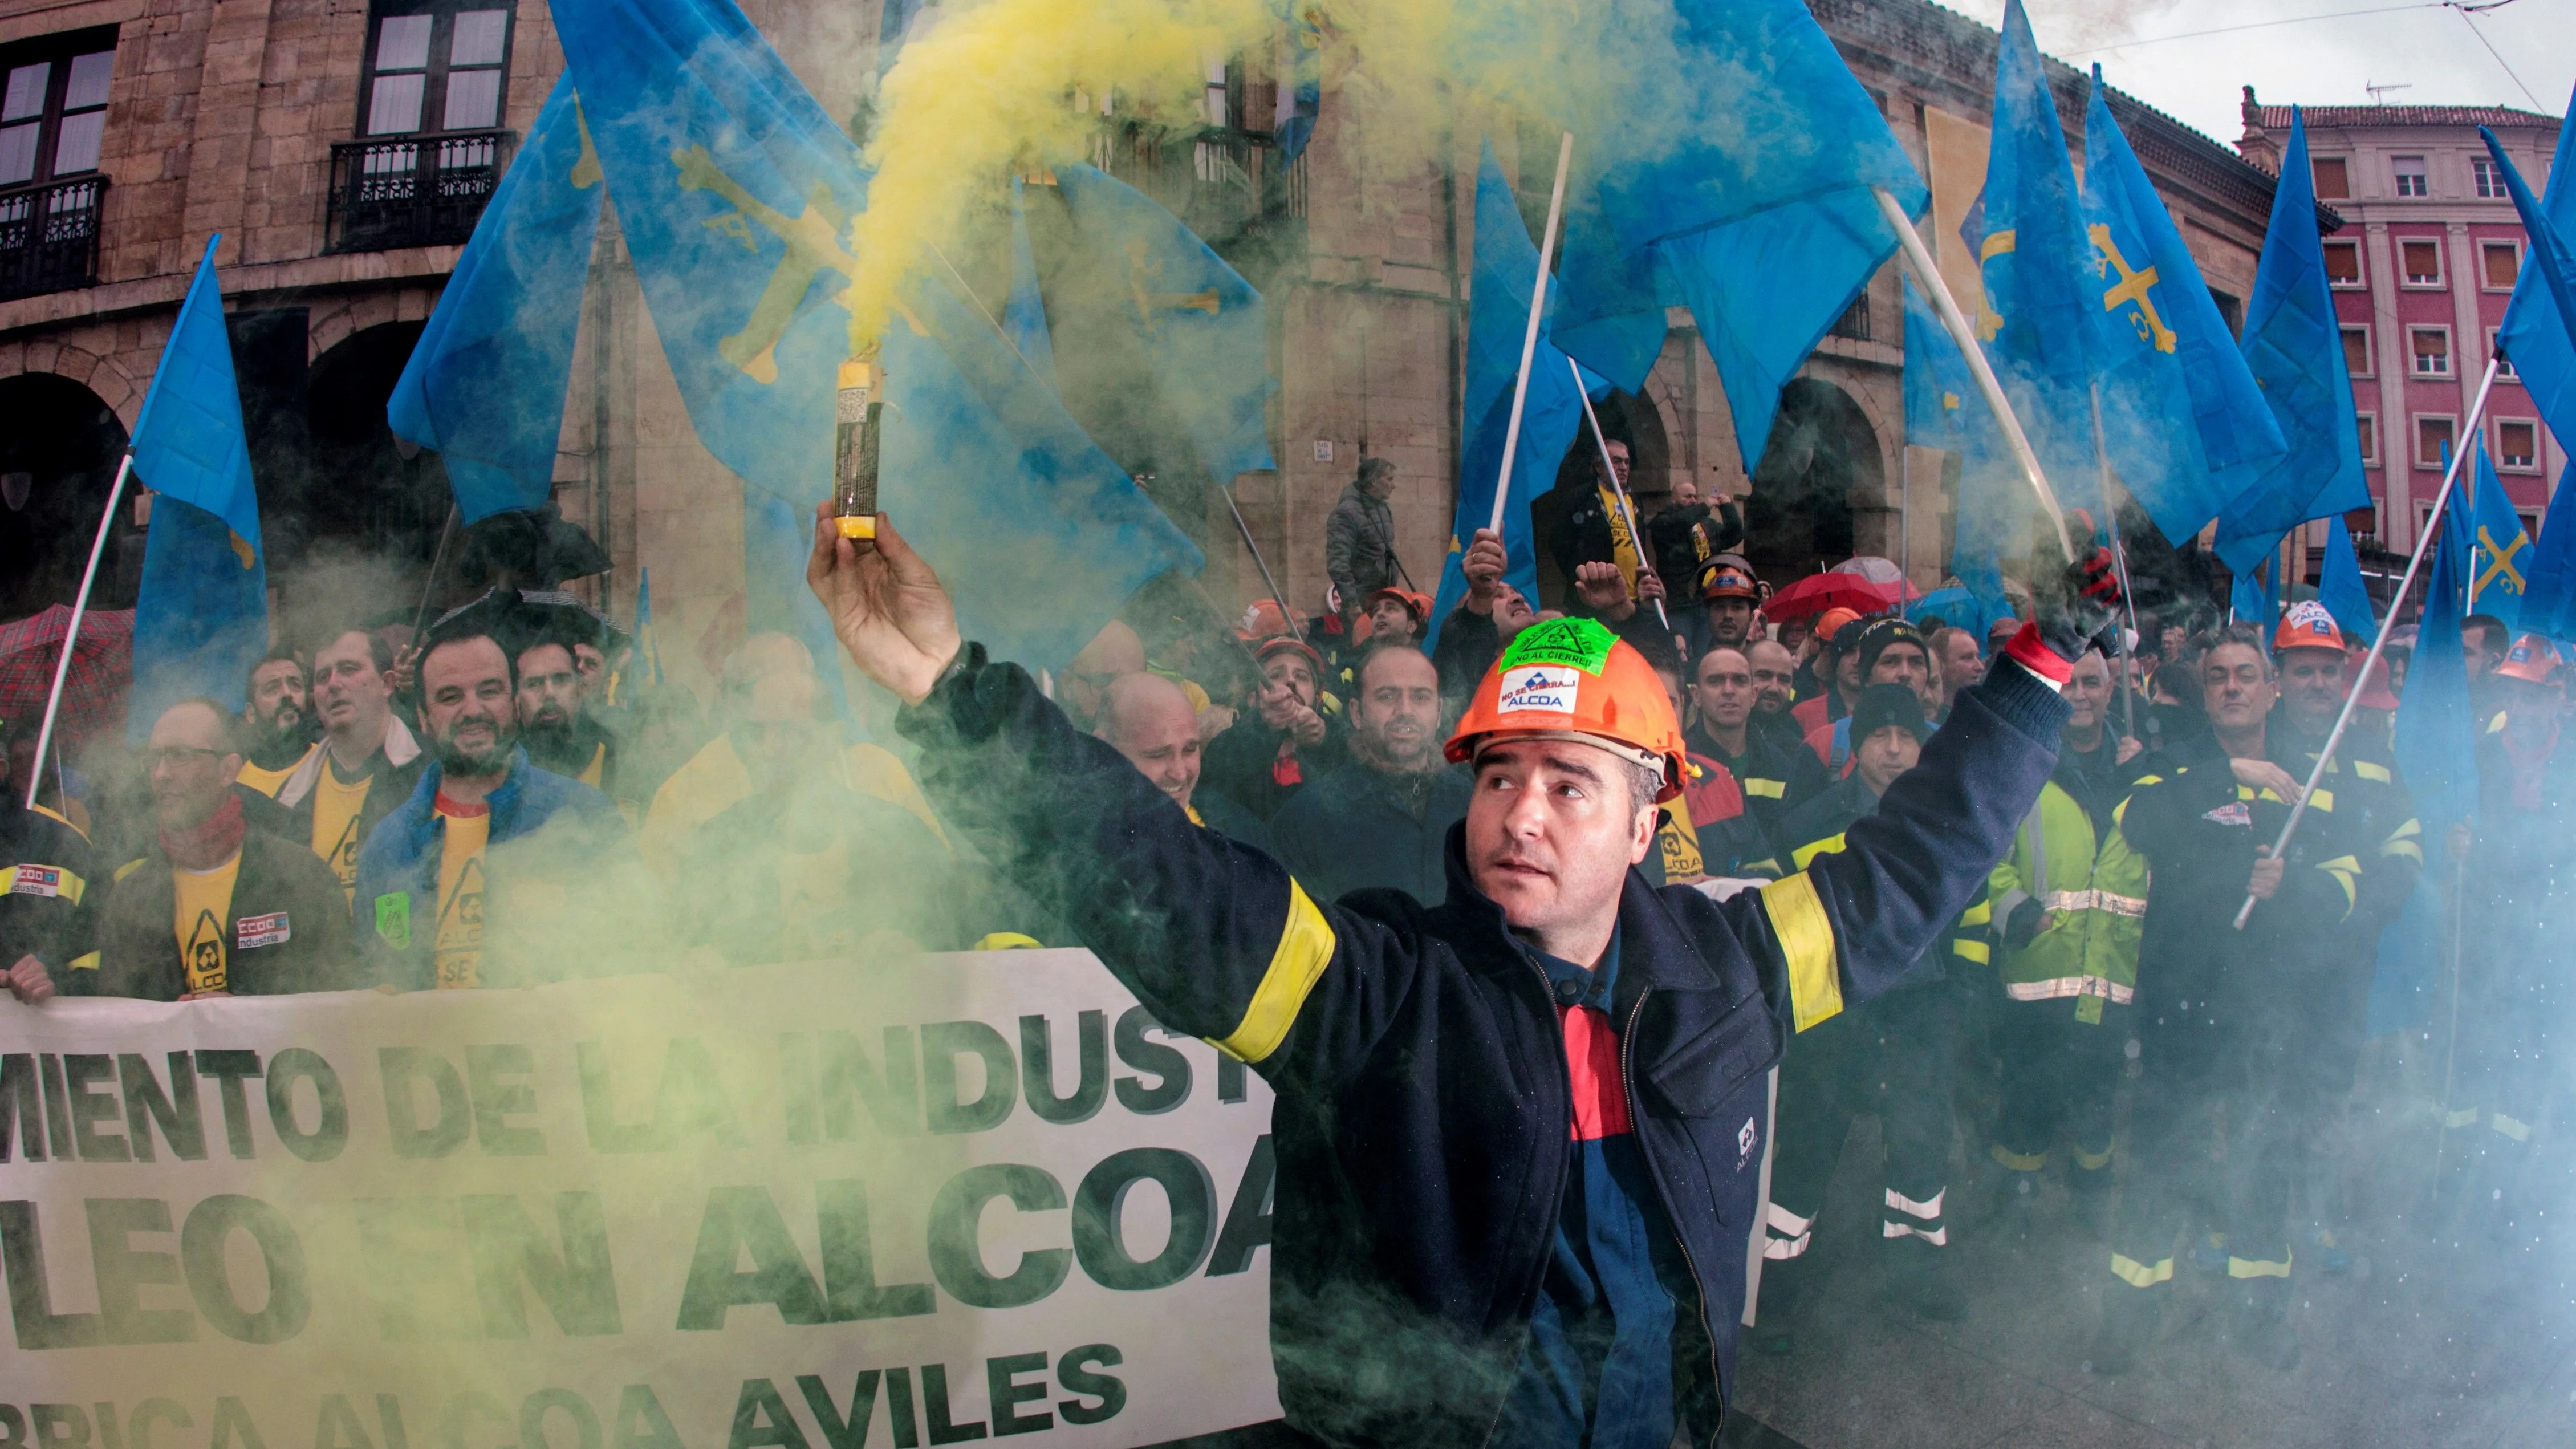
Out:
{"x": 1573, "y": 677}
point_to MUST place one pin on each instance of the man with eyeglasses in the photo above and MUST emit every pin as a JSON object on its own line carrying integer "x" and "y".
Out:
{"x": 217, "y": 907}
{"x": 368, "y": 762}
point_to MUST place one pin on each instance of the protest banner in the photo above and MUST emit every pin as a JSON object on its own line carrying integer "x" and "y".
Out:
{"x": 814, "y": 1207}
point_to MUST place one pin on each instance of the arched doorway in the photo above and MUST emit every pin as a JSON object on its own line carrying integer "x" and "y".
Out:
{"x": 354, "y": 532}
{"x": 58, "y": 457}
{"x": 1822, "y": 455}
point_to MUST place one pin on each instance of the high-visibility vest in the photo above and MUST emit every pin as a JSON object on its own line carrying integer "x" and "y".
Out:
{"x": 2096, "y": 888}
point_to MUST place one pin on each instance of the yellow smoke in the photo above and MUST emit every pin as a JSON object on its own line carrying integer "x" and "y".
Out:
{"x": 993, "y": 88}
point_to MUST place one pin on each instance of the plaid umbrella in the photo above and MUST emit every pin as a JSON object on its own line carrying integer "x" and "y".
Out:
{"x": 102, "y": 669}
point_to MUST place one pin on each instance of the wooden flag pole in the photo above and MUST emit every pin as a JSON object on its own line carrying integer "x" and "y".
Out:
{"x": 71, "y": 631}
{"x": 1954, "y": 322}
{"x": 1529, "y": 334}
{"x": 2352, "y": 695}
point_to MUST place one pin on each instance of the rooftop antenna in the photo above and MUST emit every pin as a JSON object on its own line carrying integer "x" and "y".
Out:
{"x": 2379, "y": 92}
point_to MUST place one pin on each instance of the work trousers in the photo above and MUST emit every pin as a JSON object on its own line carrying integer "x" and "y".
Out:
{"x": 2272, "y": 1078}
{"x": 2513, "y": 1022}
{"x": 1895, "y": 1056}
{"x": 2058, "y": 1072}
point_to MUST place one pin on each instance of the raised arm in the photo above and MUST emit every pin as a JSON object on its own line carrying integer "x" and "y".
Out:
{"x": 1213, "y": 936}
{"x": 1851, "y": 923}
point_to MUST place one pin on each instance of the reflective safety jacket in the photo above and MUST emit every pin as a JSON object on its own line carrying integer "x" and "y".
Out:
{"x": 1426, "y": 1113}
{"x": 2082, "y": 871}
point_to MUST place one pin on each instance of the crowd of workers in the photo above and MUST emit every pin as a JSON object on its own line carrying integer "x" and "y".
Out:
{"x": 500, "y": 803}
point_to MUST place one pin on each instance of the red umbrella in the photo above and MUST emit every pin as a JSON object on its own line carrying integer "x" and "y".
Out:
{"x": 102, "y": 669}
{"x": 1816, "y": 593}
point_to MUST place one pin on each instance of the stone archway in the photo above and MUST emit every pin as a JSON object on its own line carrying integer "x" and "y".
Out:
{"x": 58, "y": 457}
{"x": 360, "y": 521}
{"x": 1821, "y": 463}
{"x": 1629, "y": 418}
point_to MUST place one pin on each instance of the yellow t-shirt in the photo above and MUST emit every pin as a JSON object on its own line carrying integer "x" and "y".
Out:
{"x": 714, "y": 781}
{"x": 335, "y": 825}
{"x": 203, "y": 923}
{"x": 267, "y": 781}
{"x": 1679, "y": 843}
{"x": 458, "y": 948}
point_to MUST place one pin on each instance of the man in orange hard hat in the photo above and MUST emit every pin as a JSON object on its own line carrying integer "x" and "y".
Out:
{"x": 1519, "y": 1135}
{"x": 2269, "y": 1017}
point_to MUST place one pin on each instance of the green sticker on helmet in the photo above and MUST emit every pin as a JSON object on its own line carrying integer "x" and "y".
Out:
{"x": 1579, "y": 643}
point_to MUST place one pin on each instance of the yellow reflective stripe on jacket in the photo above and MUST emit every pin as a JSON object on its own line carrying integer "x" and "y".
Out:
{"x": 2407, "y": 840}
{"x": 1806, "y": 937}
{"x": 1798, "y": 858}
{"x": 85, "y": 963}
{"x": 1972, "y": 951}
{"x": 2346, "y": 870}
{"x": 2257, "y": 1268}
{"x": 2368, "y": 771}
{"x": 1766, "y": 789}
{"x": 1980, "y": 913}
{"x": 2139, "y": 1275}
{"x": 1306, "y": 946}
{"x": 129, "y": 868}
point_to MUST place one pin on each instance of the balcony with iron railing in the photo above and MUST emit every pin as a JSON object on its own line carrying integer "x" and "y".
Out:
{"x": 1854, "y": 323}
{"x": 413, "y": 191}
{"x": 49, "y": 236}
{"x": 1229, "y": 185}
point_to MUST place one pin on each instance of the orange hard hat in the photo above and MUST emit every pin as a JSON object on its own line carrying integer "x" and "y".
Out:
{"x": 1831, "y": 621}
{"x": 2532, "y": 659}
{"x": 1263, "y": 619}
{"x": 2307, "y": 626}
{"x": 1574, "y": 678}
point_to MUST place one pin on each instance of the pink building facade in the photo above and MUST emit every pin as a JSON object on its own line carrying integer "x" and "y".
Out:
{"x": 2422, "y": 269}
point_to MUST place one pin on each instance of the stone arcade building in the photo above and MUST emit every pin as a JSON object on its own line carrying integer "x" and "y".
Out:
{"x": 343, "y": 148}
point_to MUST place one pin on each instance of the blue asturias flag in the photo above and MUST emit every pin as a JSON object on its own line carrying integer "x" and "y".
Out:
{"x": 1732, "y": 178}
{"x": 2255, "y": 597}
{"x": 2549, "y": 603}
{"x": 201, "y": 619}
{"x": 485, "y": 383}
{"x": 735, "y": 192}
{"x": 1024, "y": 318}
{"x": 1944, "y": 409}
{"x": 2500, "y": 575}
{"x": 1199, "y": 324}
{"x": 2539, "y": 331}
{"x": 2341, "y": 589}
{"x": 2166, "y": 353}
{"x": 2436, "y": 750}
{"x": 2294, "y": 345}
{"x": 2039, "y": 321}
{"x": 1551, "y": 416}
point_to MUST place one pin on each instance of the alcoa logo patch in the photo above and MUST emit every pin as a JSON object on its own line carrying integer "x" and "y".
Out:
{"x": 2234, "y": 812}
{"x": 1539, "y": 689}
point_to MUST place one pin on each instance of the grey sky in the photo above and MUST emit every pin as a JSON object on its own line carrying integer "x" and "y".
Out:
{"x": 2313, "y": 62}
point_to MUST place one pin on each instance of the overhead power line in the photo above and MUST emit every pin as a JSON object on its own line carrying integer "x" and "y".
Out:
{"x": 2465, "y": 11}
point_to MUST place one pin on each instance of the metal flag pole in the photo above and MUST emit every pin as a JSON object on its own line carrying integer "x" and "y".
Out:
{"x": 1529, "y": 334}
{"x": 1245, "y": 533}
{"x": 71, "y": 631}
{"x": 429, "y": 586}
{"x": 1954, "y": 322}
{"x": 2379, "y": 643}
{"x": 1618, "y": 489}
{"x": 2120, "y": 563}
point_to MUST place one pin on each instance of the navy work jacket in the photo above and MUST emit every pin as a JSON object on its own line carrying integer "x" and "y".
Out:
{"x": 1424, "y": 1121}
